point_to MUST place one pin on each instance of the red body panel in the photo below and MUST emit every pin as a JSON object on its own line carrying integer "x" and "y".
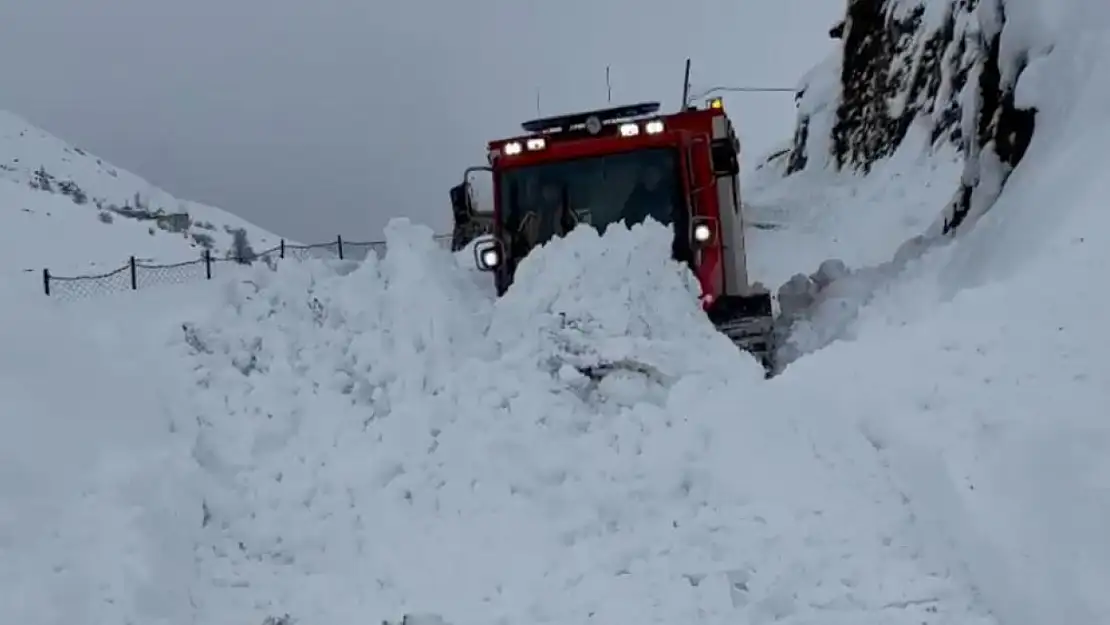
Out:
{"x": 690, "y": 132}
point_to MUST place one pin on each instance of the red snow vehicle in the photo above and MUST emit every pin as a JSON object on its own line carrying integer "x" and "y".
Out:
{"x": 617, "y": 164}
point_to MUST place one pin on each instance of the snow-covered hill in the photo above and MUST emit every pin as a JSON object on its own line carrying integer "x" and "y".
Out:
{"x": 64, "y": 208}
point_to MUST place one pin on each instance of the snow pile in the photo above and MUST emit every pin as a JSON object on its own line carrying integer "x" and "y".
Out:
{"x": 372, "y": 450}
{"x": 830, "y": 240}
{"x": 414, "y": 309}
{"x": 618, "y": 301}
{"x": 798, "y": 222}
{"x": 65, "y": 208}
{"x": 97, "y": 508}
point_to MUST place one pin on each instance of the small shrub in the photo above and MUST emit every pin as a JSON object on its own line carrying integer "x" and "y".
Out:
{"x": 241, "y": 249}
{"x": 42, "y": 180}
{"x": 204, "y": 240}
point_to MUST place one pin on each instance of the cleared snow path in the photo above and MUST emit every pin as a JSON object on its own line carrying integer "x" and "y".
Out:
{"x": 374, "y": 447}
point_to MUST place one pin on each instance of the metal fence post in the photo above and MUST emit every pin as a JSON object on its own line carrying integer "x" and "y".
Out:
{"x": 46, "y": 281}
{"x": 282, "y": 255}
{"x": 208, "y": 264}
{"x": 134, "y": 275}
{"x": 339, "y": 245}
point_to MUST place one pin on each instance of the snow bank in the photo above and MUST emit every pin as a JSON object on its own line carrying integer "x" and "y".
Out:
{"x": 97, "y": 505}
{"x": 796, "y": 223}
{"x": 983, "y": 372}
{"x": 389, "y": 440}
{"x": 976, "y": 364}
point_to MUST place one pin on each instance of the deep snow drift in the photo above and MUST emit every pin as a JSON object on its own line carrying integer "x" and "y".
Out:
{"x": 371, "y": 449}
{"x": 96, "y": 498}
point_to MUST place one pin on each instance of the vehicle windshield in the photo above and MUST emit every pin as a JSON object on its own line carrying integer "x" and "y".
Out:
{"x": 598, "y": 190}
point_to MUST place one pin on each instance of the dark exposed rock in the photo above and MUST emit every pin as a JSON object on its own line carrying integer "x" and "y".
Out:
{"x": 797, "y": 160}
{"x": 1002, "y": 130}
{"x": 901, "y": 65}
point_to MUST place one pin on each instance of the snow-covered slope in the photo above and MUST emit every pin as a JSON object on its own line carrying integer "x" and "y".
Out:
{"x": 976, "y": 364}
{"x": 987, "y": 383}
{"x": 930, "y": 106}
{"x": 934, "y": 74}
{"x": 64, "y": 208}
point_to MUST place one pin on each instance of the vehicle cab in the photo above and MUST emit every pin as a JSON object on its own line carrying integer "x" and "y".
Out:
{"x": 614, "y": 165}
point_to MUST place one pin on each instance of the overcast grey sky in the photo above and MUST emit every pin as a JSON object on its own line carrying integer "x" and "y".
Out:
{"x": 330, "y": 116}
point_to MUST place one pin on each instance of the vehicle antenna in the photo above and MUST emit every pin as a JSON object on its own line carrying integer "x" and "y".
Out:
{"x": 538, "y": 102}
{"x": 686, "y": 87}
{"x": 608, "y": 85}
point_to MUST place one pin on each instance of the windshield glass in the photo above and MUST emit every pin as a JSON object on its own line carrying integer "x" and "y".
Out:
{"x": 599, "y": 190}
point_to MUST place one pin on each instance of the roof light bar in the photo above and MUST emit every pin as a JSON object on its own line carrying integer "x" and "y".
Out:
{"x": 564, "y": 122}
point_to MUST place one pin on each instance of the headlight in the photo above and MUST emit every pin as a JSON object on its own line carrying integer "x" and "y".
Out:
{"x": 512, "y": 148}
{"x": 537, "y": 144}
{"x": 487, "y": 253}
{"x": 702, "y": 233}
{"x": 654, "y": 127}
{"x": 491, "y": 258}
{"x": 629, "y": 130}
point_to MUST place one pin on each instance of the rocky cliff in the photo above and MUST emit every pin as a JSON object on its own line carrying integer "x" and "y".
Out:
{"x": 943, "y": 64}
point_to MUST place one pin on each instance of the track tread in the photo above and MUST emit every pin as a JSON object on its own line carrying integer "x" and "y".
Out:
{"x": 749, "y": 324}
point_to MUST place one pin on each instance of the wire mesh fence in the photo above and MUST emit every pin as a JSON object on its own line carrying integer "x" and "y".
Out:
{"x": 136, "y": 274}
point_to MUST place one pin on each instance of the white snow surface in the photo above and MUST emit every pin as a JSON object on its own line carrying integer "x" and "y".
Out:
{"x": 370, "y": 449}
{"x": 48, "y": 228}
{"x": 349, "y": 442}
